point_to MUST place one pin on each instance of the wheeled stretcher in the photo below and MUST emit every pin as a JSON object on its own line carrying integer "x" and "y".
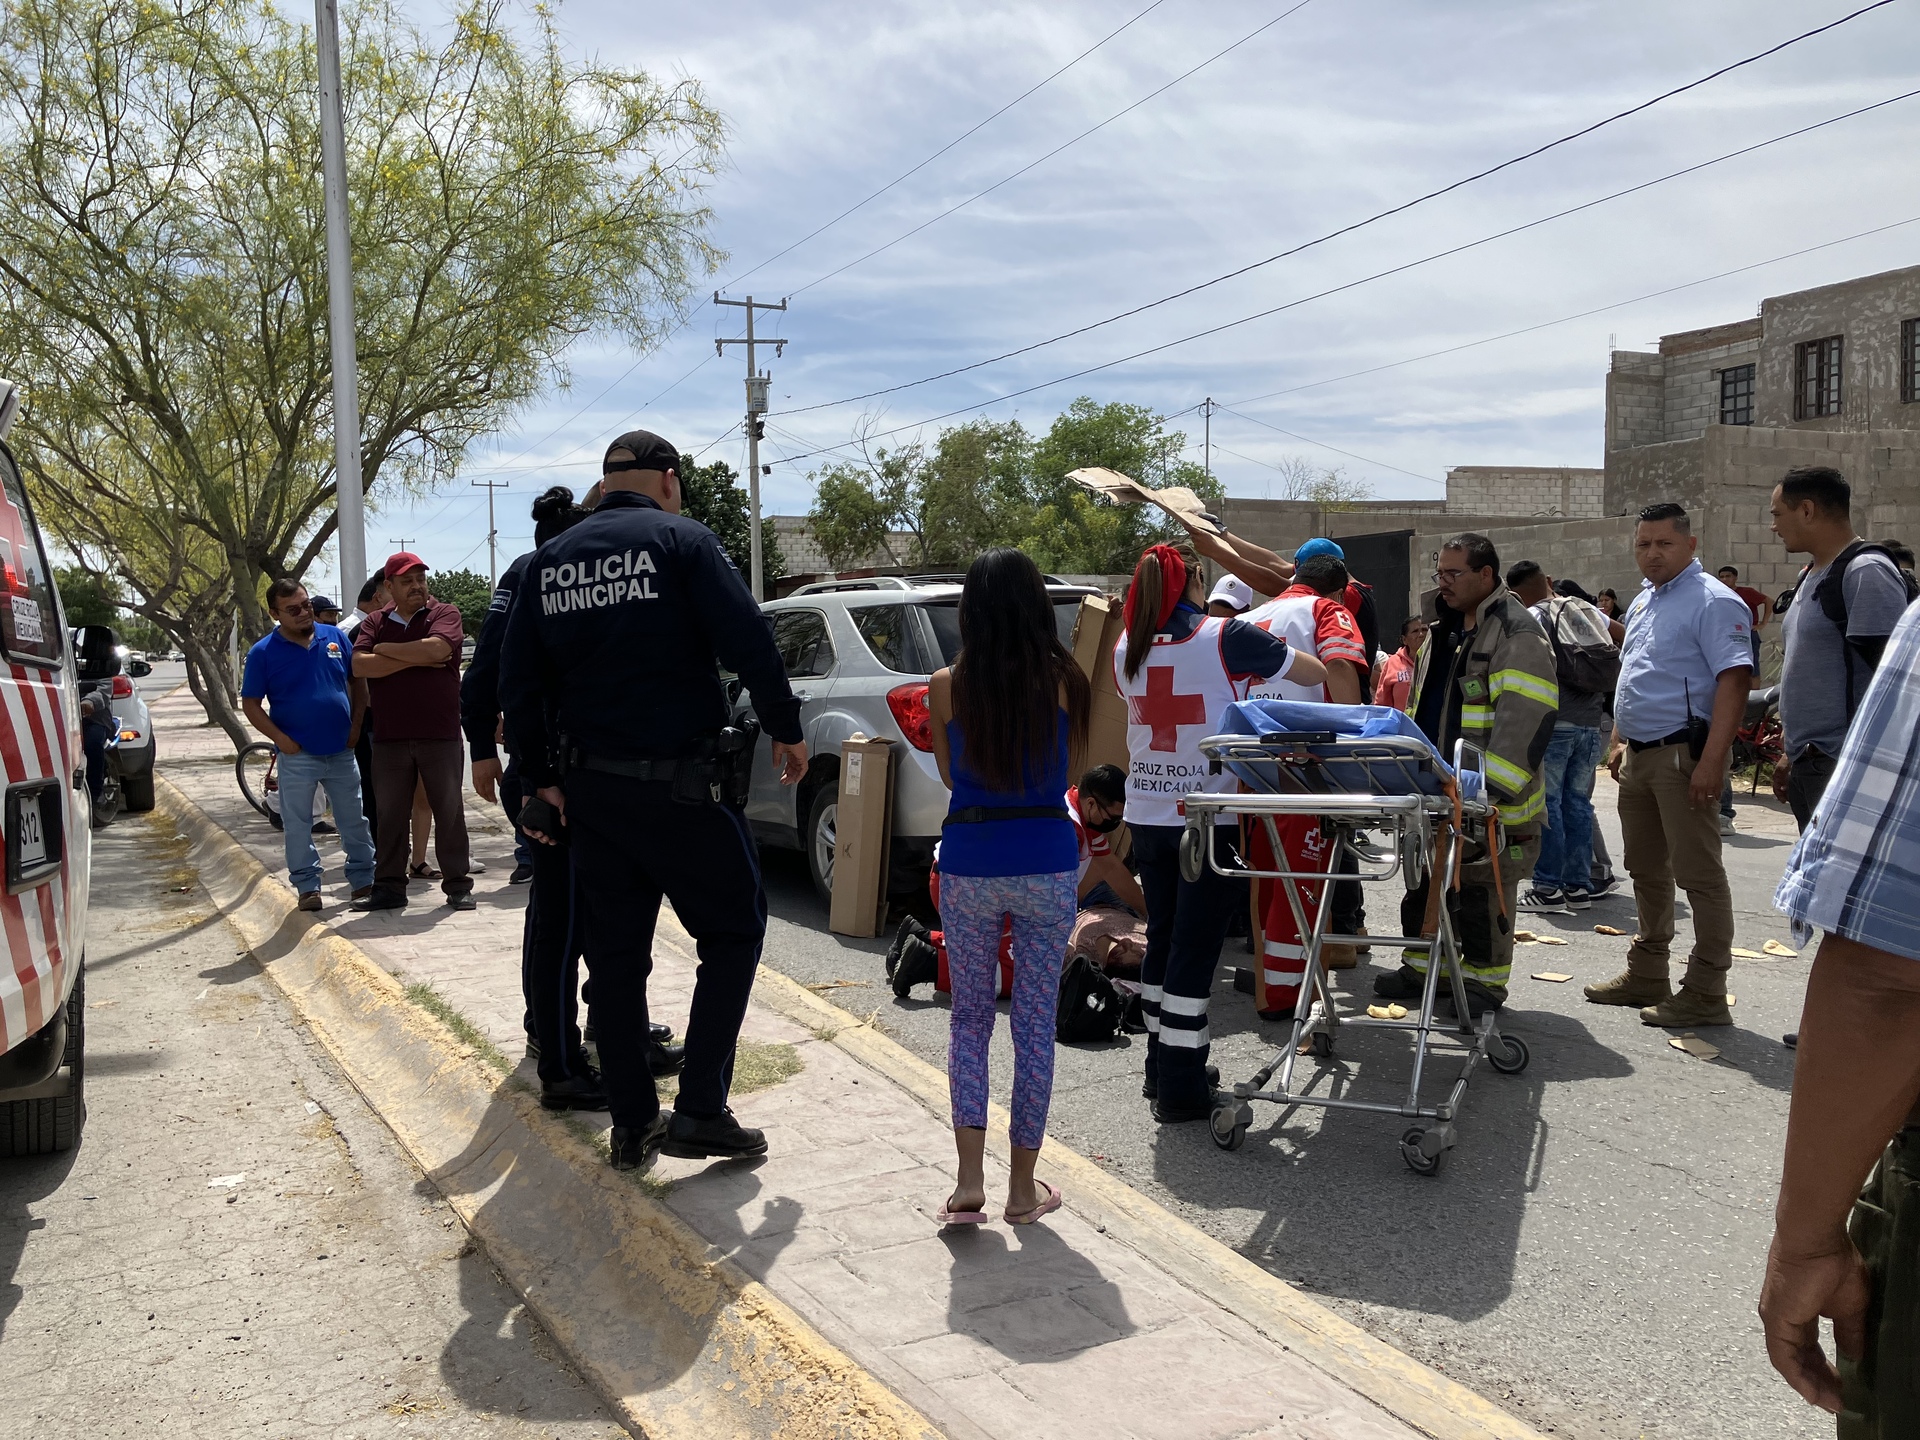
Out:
{"x": 1356, "y": 768}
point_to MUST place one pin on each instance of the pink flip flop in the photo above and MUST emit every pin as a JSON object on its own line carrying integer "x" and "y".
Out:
{"x": 1045, "y": 1207}
{"x": 959, "y": 1217}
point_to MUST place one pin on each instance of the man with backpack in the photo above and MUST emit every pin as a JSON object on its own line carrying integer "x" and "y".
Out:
{"x": 1587, "y": 666}
{"x": 1836, "y": 622}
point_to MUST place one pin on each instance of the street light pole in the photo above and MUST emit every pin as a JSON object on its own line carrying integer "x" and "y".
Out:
{"x": 349, "y": 509}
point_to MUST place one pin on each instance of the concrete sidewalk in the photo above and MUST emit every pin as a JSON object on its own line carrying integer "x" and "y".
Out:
{"x": 1111, "y": 1318}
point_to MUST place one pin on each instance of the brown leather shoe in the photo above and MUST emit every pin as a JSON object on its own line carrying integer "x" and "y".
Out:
{"x": 1339, "y": 957}
{"x": 310, "y": 900}
{"x": 1626, "y": 988}
{"x": 1688, "y": 1006}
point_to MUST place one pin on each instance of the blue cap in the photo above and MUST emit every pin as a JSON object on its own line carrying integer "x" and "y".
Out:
{"x": 1318, "y": 547}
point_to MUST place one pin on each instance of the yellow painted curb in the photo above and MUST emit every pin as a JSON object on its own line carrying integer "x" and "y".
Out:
{"x": 1415, "y": 1394}
{"x": 679, "y": 1342}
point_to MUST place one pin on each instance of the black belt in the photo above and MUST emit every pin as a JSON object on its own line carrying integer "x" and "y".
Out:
{"x": 643, "y": 769}
{"x": 1678, "y": 737}
{"x": 980, "y": 814}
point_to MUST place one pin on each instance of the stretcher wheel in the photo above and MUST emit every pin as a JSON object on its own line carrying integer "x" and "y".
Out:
{"x": 1513, "y": 1059}
{"x": 1413, "y": 859}
{"x": 1193, "y": 854}
{"x": 1229, "y": 1130}
{"x": 1321, "y": 1044}
{"x": 1417, "y": 1159}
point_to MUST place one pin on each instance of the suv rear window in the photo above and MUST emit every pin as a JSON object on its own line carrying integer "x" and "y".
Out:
{"x": 29, "y": 614}
{"x": 884, "y": 628}
{"x": 945, "y": 616}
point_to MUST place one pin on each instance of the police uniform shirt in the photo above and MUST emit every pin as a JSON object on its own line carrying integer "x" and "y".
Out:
{"x": 480, "y": 687}
{"x": 1680, "y": 637}
{"x": 612, "y": 638}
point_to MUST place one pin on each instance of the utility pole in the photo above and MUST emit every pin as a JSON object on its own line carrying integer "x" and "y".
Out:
{"x": 401, "y": 544}
{"x": 1207, "y": 407}
{"x": 349, "y": 507}
{"x": 493, "y": 560}
{"x": 756, "y": 427}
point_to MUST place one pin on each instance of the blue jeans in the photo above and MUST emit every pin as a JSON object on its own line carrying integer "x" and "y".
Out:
{"x": 1566, "y": 845}
{"x": 300, "y": 776}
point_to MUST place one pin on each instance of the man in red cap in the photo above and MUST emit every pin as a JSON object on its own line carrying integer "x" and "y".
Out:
{"x": 409, "y": 653}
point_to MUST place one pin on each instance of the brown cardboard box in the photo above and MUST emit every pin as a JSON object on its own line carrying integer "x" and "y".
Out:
{"x": 863, "y": 834}
{"x": 1095, "y": 631}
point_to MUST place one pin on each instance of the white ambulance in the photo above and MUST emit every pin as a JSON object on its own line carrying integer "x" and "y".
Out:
{"x": 46, "y": 834}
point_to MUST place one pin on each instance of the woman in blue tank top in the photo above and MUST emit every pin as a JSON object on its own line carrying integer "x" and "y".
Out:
{"x": 1009, "y": 720}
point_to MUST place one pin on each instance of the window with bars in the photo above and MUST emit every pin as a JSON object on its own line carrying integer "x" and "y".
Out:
{"x": 1736, "y": 395}
{"x": 1816, "y": 378}
{"x": 1910, "y": 360}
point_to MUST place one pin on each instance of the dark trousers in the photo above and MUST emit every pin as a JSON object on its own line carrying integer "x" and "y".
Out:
{"x": 1349, "y": 899}
{"x": 632, "y": 845}
{"x": 1186, "y": 924}
{"x": 513, "y": 794}
{"x": 1807, "y": 781}
{"x": 440, "y": 766}
{"x": 551, "y": 944}
{"x": 363, "y": 757}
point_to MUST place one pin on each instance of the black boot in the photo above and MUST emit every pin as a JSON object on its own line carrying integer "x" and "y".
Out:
{"x": 665, "y": 1059}
{"x": 910, "y": 928}
{"x": 702, "y": 1137}
{"x": 1406, "y": 983}
{"x": 1151, "y": 1089}
{"x": 636, "y": 1149}
{"x": 919, "y": 964}
{"x": 584, "y": 1091}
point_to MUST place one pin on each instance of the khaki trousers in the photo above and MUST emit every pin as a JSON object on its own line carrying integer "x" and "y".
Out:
{"x": 1669, "y": 842}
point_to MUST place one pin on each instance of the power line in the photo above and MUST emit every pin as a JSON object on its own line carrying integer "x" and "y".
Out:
{"x": 1309, "y": 440}
{"x": 981, "y": 194}
{"x": 908, "y": 174}
{"x": 1382, "y": 274}
{"x": 1580, "y": 315}
{"x": 1345, "y": 229}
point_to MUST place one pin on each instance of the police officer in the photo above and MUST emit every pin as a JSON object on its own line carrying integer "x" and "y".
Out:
{"x": 554, "y": 935}
{"x": 614, "y": 707}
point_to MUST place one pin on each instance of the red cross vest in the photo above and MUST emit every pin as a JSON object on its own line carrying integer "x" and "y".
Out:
{"x": 1292, "y": 618}
{"x": 1178, "y": 698}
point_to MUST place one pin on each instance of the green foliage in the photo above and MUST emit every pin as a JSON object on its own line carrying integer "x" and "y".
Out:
{"x": 87, "y": 598}
{"x": 990, "y": 483}
{"x": 714, "y": 496}
{"x": 163, "y": 288}
{"x": 463, "y": 588}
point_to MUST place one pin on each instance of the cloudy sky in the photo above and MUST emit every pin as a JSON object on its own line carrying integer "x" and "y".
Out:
{"x": 1342, "y": 109}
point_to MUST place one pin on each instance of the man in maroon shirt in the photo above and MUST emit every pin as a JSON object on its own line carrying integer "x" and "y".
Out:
{"x": 409, "y": 653}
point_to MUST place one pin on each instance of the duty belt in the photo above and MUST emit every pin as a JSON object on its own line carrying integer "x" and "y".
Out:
{"x": 980, "y": 814}
{"x": 1678, "y": 737}
{"x": 705, "y": 770}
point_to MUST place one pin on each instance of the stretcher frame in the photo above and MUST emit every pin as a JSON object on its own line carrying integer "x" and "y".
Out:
{"x": 1320, "y": 775}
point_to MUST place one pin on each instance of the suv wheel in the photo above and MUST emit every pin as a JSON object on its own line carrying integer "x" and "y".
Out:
{"x": 44, "y": 1127}
{"x": 821, "y": 816}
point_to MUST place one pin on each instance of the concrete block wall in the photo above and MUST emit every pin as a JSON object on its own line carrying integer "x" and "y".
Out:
{"x": 1596, "y": 552}
{"x": 1636, "y": 400}
{"x": 1282, "y": 525}
{"x": 1868, "y": 312}
{"x": 1692, "y": 386}
{"x": 1525, "y": 490}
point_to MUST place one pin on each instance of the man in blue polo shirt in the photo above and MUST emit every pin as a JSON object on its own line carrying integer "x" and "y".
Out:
{"x": 313, "y": 711}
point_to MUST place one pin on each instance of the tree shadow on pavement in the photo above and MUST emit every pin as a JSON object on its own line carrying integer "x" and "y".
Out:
{"x": 1340, "y": 1211}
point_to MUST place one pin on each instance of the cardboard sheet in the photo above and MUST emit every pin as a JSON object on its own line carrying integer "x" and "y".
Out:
{"x": 1178, "y": 501}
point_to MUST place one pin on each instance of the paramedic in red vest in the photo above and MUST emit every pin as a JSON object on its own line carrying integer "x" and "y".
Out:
{"x": 1178, "y": 669}
{"x": 1312, "y": 618}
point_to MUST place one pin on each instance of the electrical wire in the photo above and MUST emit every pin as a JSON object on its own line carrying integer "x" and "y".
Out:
{"x": 1345, "y": 229}
{"x": 908, "y": 174}
{"x": 1309, "y": 440}
{"x": 1384, "y": 274}
{"x": 1009, "y": 179}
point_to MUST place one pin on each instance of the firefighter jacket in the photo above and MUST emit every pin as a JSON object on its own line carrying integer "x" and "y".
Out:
{"x": 1508, "y": 696}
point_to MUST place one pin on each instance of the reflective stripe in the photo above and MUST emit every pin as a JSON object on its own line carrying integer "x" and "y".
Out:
{"x": 1184, "y": 1039}
{"x": 1288, "y": 978}
{"x": 1532, "y": 808}
{"x": 1286, "y": 952}
{"x": 1507, "y": 776}
{"x": 1152, "y": 993}
{"x": 1184, "y": 1005}
{"x": 1547, "y": 692}
{"x": 1476, "y": 717}
{"x": 1153, "y": 1023}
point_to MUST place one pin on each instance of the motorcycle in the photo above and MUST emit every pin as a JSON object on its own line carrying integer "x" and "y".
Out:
{"x": 100, "y": 728}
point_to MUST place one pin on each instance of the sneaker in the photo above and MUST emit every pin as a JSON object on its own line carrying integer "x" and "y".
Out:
{"x": 636, "y": 1149}
{"x": 1406, "y": 983}
{"x": 1600, "y": 889}
{"x": 1626, "y": 988}
{"x": 1726, "y": 825}
{"x": 1791, "y": 1040}
{"x": 1687, "y": 1006}
{"x": 324, "y": 827}
{"x": 919, "y": 964}
{"x": 476, "y": 867}
{"x": 522, "y": 875}
{"x": 1578, "y": 900}
{"x": 704, "y": 1137}
{"x": 1538, "y": 900}
{"x": 310, "y": 900}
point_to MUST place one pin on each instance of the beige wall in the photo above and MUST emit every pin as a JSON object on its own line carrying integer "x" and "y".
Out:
{"x": 1563, "y": 490}
{"x": 1598, "y": 553}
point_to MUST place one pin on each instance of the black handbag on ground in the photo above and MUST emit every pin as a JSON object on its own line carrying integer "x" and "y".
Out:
{"x": 1090, "y": 1006}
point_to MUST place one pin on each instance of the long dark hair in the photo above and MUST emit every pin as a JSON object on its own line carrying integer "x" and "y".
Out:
{"x": 554, "y": 513}
{"x": 1147, "y": 597}
{"x": 1010, "y": 671}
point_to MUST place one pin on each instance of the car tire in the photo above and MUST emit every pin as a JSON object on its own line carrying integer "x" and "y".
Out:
{"x": 46, "y": 1127}
{"x": 818, "y": 837}
{"x": 136, "y": 790}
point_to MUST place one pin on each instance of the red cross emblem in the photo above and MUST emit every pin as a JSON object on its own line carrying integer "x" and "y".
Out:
{"x": 1165, "y": 711}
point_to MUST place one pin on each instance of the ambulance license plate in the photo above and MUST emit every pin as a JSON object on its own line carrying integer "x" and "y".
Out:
{"x": 33, "y": 834}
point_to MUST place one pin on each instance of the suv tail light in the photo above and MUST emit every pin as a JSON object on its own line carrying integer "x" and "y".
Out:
{"x": 909, "y": 706}
{"x": 122, "y": 688}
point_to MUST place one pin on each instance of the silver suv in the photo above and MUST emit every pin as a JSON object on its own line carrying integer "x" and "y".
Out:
{"x": 859, "y": 653}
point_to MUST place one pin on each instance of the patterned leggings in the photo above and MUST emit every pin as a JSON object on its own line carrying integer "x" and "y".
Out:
{"x": 973, "y": 909}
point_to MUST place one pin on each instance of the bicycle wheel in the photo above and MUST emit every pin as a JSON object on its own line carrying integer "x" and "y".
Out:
{"x": 254, "y": 768}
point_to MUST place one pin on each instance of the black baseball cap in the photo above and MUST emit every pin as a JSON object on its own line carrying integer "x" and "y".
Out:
{"x": 649, "y": 452}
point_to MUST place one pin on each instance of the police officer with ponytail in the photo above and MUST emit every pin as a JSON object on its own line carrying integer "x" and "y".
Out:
{"x": 613, "y": 704}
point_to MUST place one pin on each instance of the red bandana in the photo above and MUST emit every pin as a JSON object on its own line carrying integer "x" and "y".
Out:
{"x": 1173, "y": 581}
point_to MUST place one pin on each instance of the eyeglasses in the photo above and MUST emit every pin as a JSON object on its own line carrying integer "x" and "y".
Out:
{"x": 305, "y": 607}
{"x": 1446, "y": 576}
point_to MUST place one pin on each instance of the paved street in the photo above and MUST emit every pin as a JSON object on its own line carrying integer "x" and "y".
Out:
{"x": 237, "y": 1247}
{"x": 1590, "y": 1254}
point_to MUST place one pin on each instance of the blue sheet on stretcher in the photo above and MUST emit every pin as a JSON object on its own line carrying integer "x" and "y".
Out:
{"x": 1348, "y": 722}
